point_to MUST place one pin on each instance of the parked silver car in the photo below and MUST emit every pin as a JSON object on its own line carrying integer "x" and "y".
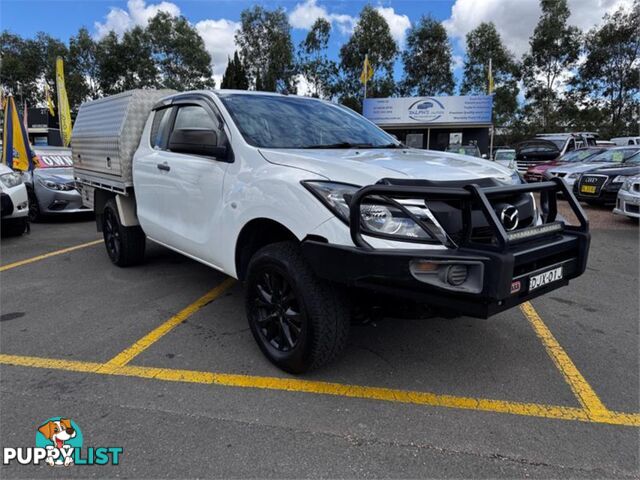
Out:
{"x": 51, "y": 186}
{"x": 610, "y": 157}
{"x": 628, "y": 202}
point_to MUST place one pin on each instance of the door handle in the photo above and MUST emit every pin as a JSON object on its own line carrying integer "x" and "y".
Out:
{"x": 163, "y": 166}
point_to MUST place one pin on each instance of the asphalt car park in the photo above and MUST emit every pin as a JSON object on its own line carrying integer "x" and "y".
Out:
{"x": 159, "y": 360}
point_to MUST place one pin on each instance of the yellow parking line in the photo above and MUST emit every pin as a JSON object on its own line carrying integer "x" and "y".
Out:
{"x": 149, "y": 339}
{"x": 47, "y": 255}
{"x": 579, "y": 385}
{"x": 329, "y": 388}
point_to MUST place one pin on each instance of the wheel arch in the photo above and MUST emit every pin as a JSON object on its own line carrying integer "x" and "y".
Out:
{"x": 256, "y": 234}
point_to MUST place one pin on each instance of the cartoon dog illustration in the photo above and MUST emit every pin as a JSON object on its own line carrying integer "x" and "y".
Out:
{"x": 58, "y": 432}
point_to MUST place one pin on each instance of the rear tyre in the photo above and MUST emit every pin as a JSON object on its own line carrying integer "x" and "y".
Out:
{"x": 14, "y": 227}
{"x": 299, "y": 321}
{"x": 125, "y": 245}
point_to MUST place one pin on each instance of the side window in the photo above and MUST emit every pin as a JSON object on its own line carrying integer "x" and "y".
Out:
{"x": 194, "y": 116}
{"x": 571, "y": 145}
{"x": 631, "y": 142}
{"x": 159, "y": 127}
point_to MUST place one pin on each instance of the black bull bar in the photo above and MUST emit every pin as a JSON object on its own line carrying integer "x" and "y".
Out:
{"x": 468, "y": 196}
{"x": 508, "y": 262}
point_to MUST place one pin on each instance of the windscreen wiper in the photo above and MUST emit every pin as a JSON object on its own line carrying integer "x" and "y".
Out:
{"x": 390, "y": 145}
{"x": 340, "y": 145}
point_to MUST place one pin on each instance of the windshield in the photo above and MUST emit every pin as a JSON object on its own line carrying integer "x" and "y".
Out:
{"x": 271, "y": 121}
{"x": 505, "y": 155}
{"x": 464, "y": 150}
{"x": 633, "y": 160}
{"x": 581, "y": 154}
{"x": 613, "y": 156}
{"x": 558, "y": 142}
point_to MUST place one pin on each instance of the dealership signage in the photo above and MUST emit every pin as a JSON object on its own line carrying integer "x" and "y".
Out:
{"x": 429, "y": 110}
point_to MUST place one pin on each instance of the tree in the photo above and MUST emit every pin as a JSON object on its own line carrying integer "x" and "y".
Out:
{"x": 609, "y": 75}
{"x": 235, "y": 75}
{"x": 372, "y": 37}
{"x": 83, "y": 55}
{"x": 179, "y": 54}
{"x": 484, "y": 44}
{"x": 427, "y": 60}
{"x": 266, "y": 49}
{"x": 21, "y": 65}
{"x": 126, "y": 64}
{"x": 313, "y": 63}
{"x": 555, "y": 47}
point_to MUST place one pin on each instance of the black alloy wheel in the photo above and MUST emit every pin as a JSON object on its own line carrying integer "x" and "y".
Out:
{"x": 111, "y": 232}
{"x": 277, "y": 310}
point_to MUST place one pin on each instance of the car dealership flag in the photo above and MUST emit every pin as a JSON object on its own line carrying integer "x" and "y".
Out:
{"x": 367, "y": 71}
{"x": 50, "y": 105}
{"x": 16, "y": 152}
{"x": 64, "y": 113}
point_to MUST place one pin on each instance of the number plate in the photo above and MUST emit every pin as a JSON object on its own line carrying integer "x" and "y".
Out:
{"x": 588, "y": 189}
{"x": 545, "y": 278}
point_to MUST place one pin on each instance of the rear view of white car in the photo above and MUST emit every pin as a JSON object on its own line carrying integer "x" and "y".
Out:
{"x": 14, "y": 200}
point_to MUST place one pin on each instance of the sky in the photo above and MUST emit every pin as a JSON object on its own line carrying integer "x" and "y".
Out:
{"x": 217, "y": 20}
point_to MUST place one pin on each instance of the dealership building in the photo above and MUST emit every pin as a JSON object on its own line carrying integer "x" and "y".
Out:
{"x": 434, "y": 122}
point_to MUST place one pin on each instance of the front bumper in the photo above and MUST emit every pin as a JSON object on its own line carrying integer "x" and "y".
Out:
{"x": 628, "y": 204}
{"x": 389, "y": 272}
{"x": 14, "y": 202}
{"x": 53, "y": 202}
{"x": 507, "y": 265}
{"x": 606, "y": 193}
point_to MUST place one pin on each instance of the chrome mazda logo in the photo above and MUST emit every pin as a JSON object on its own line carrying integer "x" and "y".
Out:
{"x": 509, "y": 217}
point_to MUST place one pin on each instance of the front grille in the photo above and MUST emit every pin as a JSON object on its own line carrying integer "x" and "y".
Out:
{"x": 449, "y": 216}
{"x": 524, "y": 165}
{"x": 632, "y": 208}
{"x": 596, "y": 181}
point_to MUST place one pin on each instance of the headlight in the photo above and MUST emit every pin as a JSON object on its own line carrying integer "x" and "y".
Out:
{"x": 52, "y": 185}
{"x": 573, "y": 176}
{"x": 627, "y": 184}
{"x": 620, "y": 179}
{"x": 515, "y": 178}
{"x": 377, "y": 214}
{"x": 11, "y": 179}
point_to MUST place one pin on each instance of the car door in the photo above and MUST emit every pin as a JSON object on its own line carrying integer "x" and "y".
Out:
{"x": 187, "y": 188}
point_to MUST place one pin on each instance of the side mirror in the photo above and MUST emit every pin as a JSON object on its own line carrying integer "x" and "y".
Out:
{"x": 197, "y": 141}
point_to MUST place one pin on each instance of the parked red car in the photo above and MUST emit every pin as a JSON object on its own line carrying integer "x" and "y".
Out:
{"x": 536, "y": 172}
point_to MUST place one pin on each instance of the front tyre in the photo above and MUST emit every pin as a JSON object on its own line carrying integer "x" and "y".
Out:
{"x": 125, "y": 245}
{"x": 14, "y": 227}
{"x": 299, "y": 321}
{"x": 34, "y": 206}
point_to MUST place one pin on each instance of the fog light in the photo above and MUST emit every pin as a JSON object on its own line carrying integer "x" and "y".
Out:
{"x": 456, "y": 274}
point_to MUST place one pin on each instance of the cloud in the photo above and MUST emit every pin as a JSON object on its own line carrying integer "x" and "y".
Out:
{"x": 458, "y": 62}
{"x": 305, "y": 14}
{"x": 137, "y": 13}
{"x": 218, "y": 36}
{"x": 516, "y": 24}
{"x": 398, "y": 24}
